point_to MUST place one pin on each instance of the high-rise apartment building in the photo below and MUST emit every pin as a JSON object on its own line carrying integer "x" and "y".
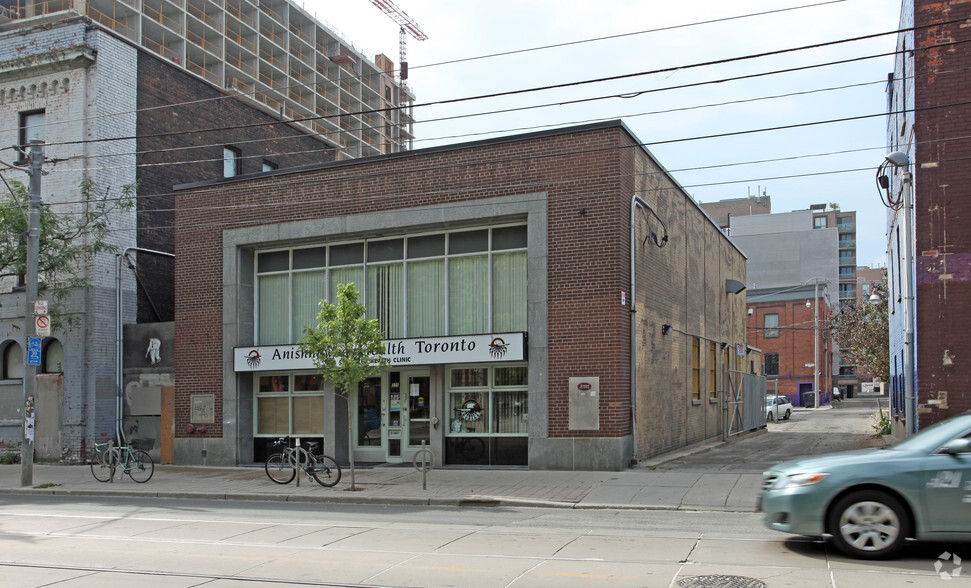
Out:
{"x": 271, "y": 53}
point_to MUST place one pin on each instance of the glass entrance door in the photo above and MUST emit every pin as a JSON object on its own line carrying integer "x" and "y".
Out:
{"x": 369, "y": 418}
{"x": 419, "y": 409}
{"x": 393, "y": 416}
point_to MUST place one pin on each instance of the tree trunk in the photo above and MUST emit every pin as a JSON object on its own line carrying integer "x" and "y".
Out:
{"x": 350, "y": 440}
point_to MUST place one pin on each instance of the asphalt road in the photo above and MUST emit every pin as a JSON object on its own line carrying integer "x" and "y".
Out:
{"x": 105, "y": 542}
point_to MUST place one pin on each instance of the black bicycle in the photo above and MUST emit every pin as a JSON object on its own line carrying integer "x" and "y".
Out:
{"x": 282, "y": 466}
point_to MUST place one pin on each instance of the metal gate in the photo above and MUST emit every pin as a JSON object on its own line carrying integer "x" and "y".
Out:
{"x": 744, "y": 402}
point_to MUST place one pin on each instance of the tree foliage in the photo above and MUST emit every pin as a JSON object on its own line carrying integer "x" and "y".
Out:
{"x": 863, "y": 330}
{"x": 67, "y": 240}
{"x": 346, "y": 347}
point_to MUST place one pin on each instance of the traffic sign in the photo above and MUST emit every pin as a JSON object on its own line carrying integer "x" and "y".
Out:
{"x": 33, "y": 350}
{"x": 40, "y": 307}
{"x": 43, "y": 324}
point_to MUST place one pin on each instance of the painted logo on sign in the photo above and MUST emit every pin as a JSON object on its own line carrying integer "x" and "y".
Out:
{"x": 498, "y": 347}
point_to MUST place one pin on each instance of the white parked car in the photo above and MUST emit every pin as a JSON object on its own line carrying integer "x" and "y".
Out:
{"x": 777, "y": 408}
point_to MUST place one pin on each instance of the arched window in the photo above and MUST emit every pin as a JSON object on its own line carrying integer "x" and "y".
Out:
{"x": 13, "y": 362}
{"x": 53, "y": 357}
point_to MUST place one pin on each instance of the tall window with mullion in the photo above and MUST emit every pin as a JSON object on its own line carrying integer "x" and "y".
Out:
{"x": 385, "y": 288}
{"x": 468, "y": 308}
{"x": 426, "y": 298}
{"x": 509, "y": 291}
{"x": 385, "y": 298}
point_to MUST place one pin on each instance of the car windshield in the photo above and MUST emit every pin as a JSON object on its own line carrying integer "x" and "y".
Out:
{"x": 936, "y": 435}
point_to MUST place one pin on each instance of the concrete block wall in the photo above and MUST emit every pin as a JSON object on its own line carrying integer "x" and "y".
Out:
{"x": 681, "y": 284}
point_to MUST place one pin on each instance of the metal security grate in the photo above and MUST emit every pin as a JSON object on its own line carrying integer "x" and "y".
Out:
{"x": 720, "y": 581}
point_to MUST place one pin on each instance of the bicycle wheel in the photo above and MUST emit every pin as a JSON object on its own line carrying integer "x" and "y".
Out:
{"x": 280, "y": 469}
{"x": 103, "y": 465}
{"x": 142, "y": 467}
{"x": 325, "y": 470}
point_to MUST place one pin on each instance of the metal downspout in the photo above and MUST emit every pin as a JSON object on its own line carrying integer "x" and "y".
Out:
{"x": 634, "y": 203}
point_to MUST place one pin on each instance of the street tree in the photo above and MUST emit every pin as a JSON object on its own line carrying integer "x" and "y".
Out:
{"x": 69, "y": 236}
{"x": 347, "y": 348}
{"x": 863, "y": 330}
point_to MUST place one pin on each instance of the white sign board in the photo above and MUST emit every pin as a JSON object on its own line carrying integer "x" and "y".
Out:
{"x": 42, "y": 323}
{"x": 40, "y": 307}
{"x": 399, "y": 352}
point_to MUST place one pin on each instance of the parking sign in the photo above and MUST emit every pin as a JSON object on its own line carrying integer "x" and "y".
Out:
{"x": 33, "y": 351}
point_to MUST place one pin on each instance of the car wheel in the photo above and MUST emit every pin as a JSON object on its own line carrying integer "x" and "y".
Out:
{"x": 788, "y": 414}
{"x": 868, "y": 524}
{"x": 769, "y": 418}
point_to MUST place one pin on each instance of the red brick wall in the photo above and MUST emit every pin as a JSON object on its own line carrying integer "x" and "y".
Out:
{"x": 795, "y": 344}
{"x": 942, "y": 211}
{"x": 589, "y": 177}
{"x": 588, "y": 329}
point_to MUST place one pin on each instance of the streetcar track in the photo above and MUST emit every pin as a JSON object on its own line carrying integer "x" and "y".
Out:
{"x": 157, "y": 573}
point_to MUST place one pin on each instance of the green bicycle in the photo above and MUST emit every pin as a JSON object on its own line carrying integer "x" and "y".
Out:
{"x": 107, "y": 459}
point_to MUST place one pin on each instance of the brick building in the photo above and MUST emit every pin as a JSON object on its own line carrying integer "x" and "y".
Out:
{"x": 117, "y": 107}
{"x": 930, "y": 121}
{"x": 525, "y": 242}
{"x": 793, "y": 279}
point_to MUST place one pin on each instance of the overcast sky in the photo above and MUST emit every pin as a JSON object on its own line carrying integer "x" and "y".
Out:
{"x": 817, "y": 163}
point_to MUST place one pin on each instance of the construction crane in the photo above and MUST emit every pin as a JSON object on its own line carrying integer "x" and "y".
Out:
{"x": 407, "y": 24}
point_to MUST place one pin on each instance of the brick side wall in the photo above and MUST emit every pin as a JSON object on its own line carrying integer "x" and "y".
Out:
{"x": 164, "y": 138}
{"x": 942, "y": 211}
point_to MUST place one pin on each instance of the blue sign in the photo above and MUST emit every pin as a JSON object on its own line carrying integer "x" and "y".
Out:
{"x": 33, "y": 350}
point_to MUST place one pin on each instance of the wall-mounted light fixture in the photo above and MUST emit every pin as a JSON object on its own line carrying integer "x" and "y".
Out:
{"x": 733, "y": 286}
{"x": 751, "y": 311}
{"x": 665, "y": 329}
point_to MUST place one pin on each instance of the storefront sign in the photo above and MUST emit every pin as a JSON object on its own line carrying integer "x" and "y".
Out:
{"x": 417, "y": 351}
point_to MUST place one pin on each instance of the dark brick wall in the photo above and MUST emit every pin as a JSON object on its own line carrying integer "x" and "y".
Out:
{"x": 589, "y": 176}
{"x": 175, "y": 147}
{"x": 942, "y": 211}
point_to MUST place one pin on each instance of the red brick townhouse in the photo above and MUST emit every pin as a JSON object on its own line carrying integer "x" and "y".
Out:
{"x": 551, "y": 299}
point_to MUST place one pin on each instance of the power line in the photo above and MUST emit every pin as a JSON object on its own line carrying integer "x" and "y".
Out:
{"x": 526, "y": 90}
{"x": 722, "y": 80}
{"x": 622, "y": 35}
{"x": 480, "y": 57}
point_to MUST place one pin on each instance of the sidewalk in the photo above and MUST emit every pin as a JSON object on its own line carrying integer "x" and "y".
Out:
{"x": 720, "y": 476}
{"x": 636, "y": 488}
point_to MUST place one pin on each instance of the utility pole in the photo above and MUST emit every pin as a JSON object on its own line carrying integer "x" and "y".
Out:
{"x": 32, "y": 354}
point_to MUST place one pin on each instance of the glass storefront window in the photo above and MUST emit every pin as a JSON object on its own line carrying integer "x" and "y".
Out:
{"x": 469, "y": 378}
{"x": 488, "y": 400}
{"x": 510, "y": 411}
{"x": 289, "y": 404}
{"x": 468, "y": 413}
{"x": 273, "y": 415}
{"x": 512, "y": 376}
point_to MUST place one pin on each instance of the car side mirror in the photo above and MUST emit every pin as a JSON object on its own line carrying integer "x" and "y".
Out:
{"x": 957, "y": 446}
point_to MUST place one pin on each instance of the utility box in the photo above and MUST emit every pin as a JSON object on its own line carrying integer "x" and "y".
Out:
{"x": 585, "y": 404}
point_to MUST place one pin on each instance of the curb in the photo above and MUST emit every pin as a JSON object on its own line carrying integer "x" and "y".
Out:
{"x": 460, "y": 502}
